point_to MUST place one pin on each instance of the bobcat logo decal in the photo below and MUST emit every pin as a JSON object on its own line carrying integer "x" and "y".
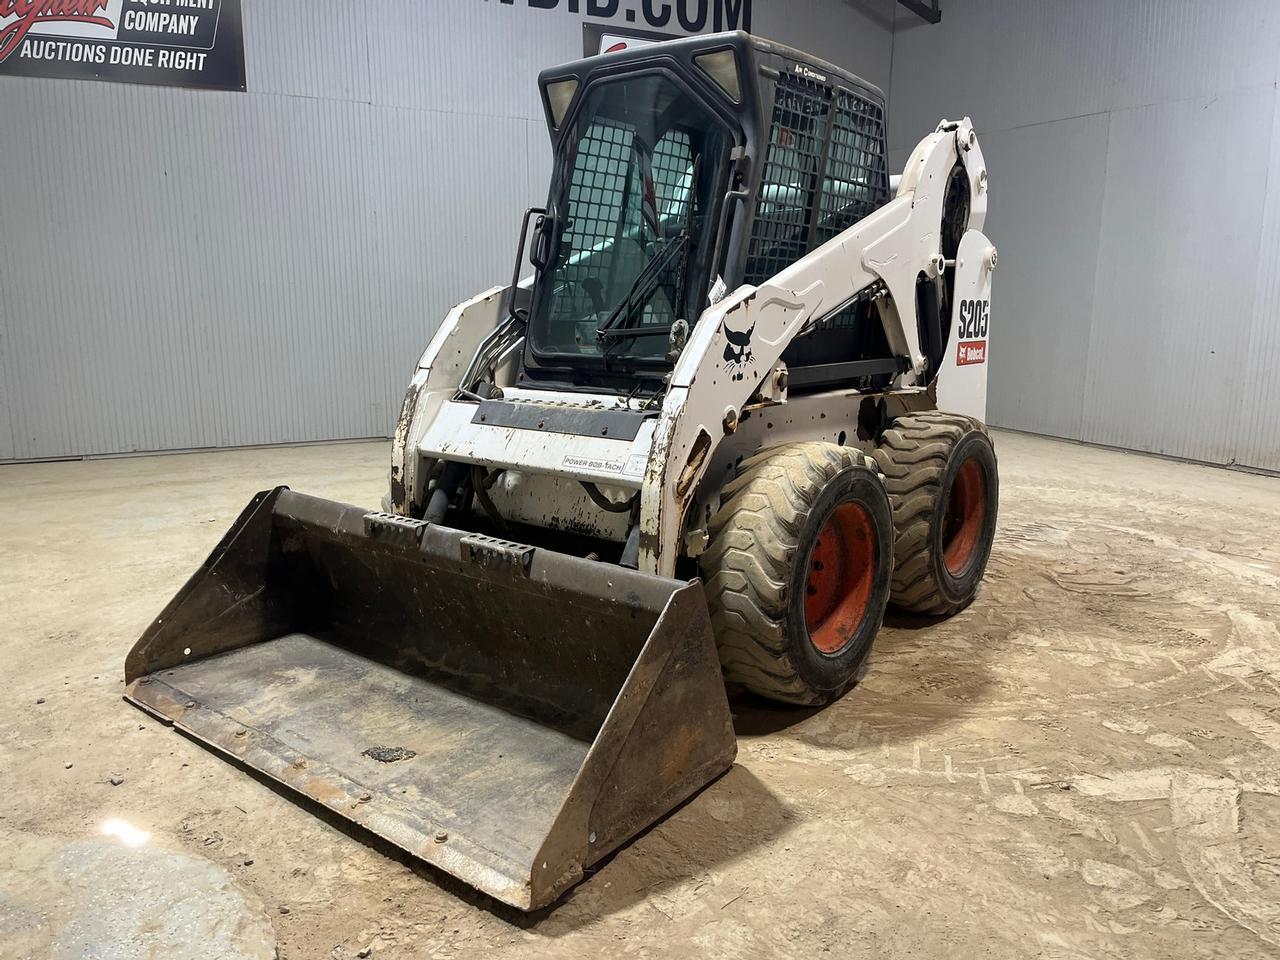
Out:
{"x": 737, "y": 351}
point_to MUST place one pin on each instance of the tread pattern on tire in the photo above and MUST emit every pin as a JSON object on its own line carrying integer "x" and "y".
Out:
{"x": 754, "y": 536}
{"x": 912, "y": 456}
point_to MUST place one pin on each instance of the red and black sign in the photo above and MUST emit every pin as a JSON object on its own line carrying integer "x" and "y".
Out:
{"x": 974, "y": 318}
{"x": 971, "y": 351}
{"x": 184, "y": 43}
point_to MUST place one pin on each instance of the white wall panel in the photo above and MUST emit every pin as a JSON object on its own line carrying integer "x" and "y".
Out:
{"x": 193, "y": 268}
{"x": 1256, "y": 414}
{"x": 464, "y": 56}
{"x": 1147, "y": 131}
{"x": 1187, "y": 49}
{"x": 1045, "y": 214}
{"x": 308, "y": 48}
{"x": 1006, "y": 63}
{"x": 1176, "y": 271}
{"x": 207, "y": 284}
{"x": 8, "y": 442}
{"x": 1031, "y": 61}
{"x": 446, "y": 215}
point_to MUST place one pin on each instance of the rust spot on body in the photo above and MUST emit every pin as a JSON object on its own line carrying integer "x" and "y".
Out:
{"x": 676, "y": 757}
{"x": 697, "y": 455}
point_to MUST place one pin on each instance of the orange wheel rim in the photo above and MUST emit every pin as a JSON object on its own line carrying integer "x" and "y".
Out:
{"x": 965, "y": 516}
{"x": 841, "y": 571}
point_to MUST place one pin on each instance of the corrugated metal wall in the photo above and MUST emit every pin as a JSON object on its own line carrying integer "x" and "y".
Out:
{"x": 1134, "y": 151}
{"x": 195, "y": 269}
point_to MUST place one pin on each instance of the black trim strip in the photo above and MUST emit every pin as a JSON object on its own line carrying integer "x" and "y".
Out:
{"x": 549, "y": 418}
{"x": 929, "y": 12}
{"x": 841, "y": 372}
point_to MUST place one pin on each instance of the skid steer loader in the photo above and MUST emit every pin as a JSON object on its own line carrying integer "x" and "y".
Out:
{"x": 732, "y": 413}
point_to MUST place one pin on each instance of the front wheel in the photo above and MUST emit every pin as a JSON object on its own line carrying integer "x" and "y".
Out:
{"x": 798, "y": 570}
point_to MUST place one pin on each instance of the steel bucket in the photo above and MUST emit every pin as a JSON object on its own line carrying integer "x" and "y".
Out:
{"x": 507, "y": 713}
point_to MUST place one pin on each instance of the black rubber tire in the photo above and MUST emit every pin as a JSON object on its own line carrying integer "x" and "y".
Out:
{"x": 920, "y": 456}
{"x": 756, "y": 569}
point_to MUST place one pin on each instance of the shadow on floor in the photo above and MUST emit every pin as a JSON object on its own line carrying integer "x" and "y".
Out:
{"x": 695, "y": 828}
{"x": 923, "y": 672}
{"x": 726, "y": 821}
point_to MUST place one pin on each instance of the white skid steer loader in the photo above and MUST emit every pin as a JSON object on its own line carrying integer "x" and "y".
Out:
{"x": 734, "y": 412}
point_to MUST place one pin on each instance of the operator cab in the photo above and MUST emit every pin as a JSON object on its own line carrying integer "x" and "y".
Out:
{"x": 638, "y": 180}
{"x": 681, "y": 171}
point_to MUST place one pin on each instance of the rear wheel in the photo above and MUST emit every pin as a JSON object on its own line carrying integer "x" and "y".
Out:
{"x": 798, "y": 570}
{"x": 940, "y": 471}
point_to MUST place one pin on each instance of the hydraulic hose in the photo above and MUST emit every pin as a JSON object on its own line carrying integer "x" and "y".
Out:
{"x": 603, "y": 502}
{"x": 446, "y": 487}
{"x": 631, "y": 550}
{"x": 480, "y": 483}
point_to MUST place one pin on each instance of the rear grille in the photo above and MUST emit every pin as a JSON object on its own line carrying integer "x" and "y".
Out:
{"x": 856, "y": 179}
{"x": 824, "y": 170}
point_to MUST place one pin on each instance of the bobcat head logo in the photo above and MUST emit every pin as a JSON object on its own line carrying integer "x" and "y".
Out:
{"x": 737, "y": 350}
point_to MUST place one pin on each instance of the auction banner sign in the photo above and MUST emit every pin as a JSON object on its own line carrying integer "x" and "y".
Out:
{"x": 183, "y": 43}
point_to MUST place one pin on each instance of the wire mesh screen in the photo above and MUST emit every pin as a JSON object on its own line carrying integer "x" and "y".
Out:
{"x": 789, "y": 188}
{"x": 856, "y": 180}
{"x": 824, "y": 170}
{"x": 672, "y": 170}
{"x": 595, "y": 197}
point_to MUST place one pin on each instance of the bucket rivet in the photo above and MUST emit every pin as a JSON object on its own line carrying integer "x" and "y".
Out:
{"x": 592, "y": 838}
{"x": 241, "y": 732}
{"x": 191, "y": 703}
{"x": 441, "y": 836}
{"x": 145, "y": 680}
{"x": 366, "y": 797}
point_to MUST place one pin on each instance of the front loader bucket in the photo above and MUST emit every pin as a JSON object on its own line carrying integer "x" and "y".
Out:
{"x": 509, "y": 714}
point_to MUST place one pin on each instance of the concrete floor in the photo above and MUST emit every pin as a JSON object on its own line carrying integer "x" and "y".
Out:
{"x": 1086, "y": 763}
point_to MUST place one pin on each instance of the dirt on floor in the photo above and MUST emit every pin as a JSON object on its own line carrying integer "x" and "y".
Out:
{"x": 1085, "y": 763}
